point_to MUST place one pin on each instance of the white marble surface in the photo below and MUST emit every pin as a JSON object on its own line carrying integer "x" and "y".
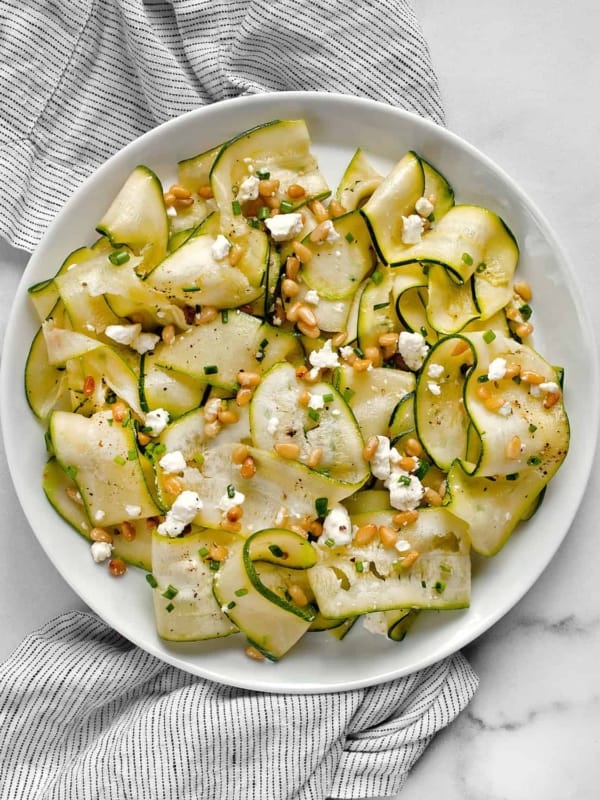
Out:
{"x": 519, "y": 80}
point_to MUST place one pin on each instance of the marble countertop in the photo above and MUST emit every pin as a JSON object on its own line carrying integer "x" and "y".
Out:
{"x": 519, "y": 81}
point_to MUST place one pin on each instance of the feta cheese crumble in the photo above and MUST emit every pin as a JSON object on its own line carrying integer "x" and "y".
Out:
{"x": 406, "y": 490}
{"x": 324, "y": 358}
{"x": 101, "y": 551}
{"x": 133, "y": 511}
{"x": 220, "y": 248}
{"x": 435, "y": 370}
{"x": 99, "y": 515}
{"x": 550, "y": 386}
{"x": 380, "y": 463}
{"x": 123, "y": 334}
{"x": 413, "y": 348}
{"x": 331, "y": 235}
{"x": 337, "y": 526}
{"x": 156, "y": 421}
{"x": 226, "y": 502}
{"x": 312, "y": 297}
{"x": 424, "y": 207}
{"x": 181, "y": 513}
{"x": 497, "y": 369}
{"x": 248, "y": 189}
{"x": 284, "y": 226}
{"x": 172, "y": 462}
{"x": 315, "y": 401}
{"x": 434, "y": 388}
{"x": 412, "y": 228}
{"x": 145, "y": 342}
{"x": 272, "y": 425}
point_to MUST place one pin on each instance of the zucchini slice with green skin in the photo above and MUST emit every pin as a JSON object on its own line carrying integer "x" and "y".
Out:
{"x": 137, "y": 218}
{"x": 450, "y": 306}
{"x": 271, "y": 623}
{"x": 187, "y": 433}
{"x": 185, "y": 608}
{"x": 410, "y": 297}
{"x": 103, "y": 461}
{"x": 440, "y": 578}
{"x": 367, "y": 501}
{"x": 88, "y": 312}
{"x": 327, "y": 423}
{"x": 217, "y": 351}
{"x": 394, "y": 198}
{"x": 400, "y": 622}
{"x": 194, "y": 172}
{"x": 402, "y": 421}
{"x": 358, "y": 182}
{"x": 437, "y": 190}
{"x": 376, "y": 313}
{"x": 174, "y": 391}
{"x": 45, "y": 383}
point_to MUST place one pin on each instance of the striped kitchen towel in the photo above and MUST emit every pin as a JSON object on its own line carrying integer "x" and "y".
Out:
{"x": 84, "y": 714}
{"x": 79, "y": 80}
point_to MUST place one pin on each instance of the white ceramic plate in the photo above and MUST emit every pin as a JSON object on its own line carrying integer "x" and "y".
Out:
{"x": 338, "y": 124}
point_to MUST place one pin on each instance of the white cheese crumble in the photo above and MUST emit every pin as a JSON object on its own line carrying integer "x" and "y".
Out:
{"x": 324, "y": 358}
{"x": 272, "y": 425}
{"x": 505, "y": 409}
{"x": 332, "y": 235}
{"x": 181, "y": 513}
{"x": 435, "y": 370}
{"x": 123, "y": 334}
{"x": 412, "y": 228}
{"x": 248, "y": 189}
{"x": 220, "y": 248}
{"x": 312, "y": 297}
{"x": 172, "y": 462}
{"x": 380, "y": 463}
{"x": 413, "y": 348}
{"x": 101, "y": 551}
{"x": 337, "y": 526}
{"x": 284, "y": 226}
{"x": 402, "y": 545}
{"x": 497, "y": 369}
{"x": 226, "y": 502}
{"x": 346, "y": 351}
{"x": 133, "y": 511}
{"x": 424, "y": 207}
{"x": 156, "y": 421}
{"x": 434, "y": 388}
{"x": 99, "y": 515}
{"x": 406, "y": 490}
{"x": 315, "y": 401}
{"x": 145, "y": 342}
{"x": 550, "y": 386}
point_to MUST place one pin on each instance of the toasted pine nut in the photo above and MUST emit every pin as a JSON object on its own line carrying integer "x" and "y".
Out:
{"x": 180, "y": 191}
{"x": 362, "y": 364}
{"x": 287, "y": 449}
{"x": 151, "y": 523}
{"x": 432, "y": 497}
{"x": 292, "y": 267}
{"x": 370, "y": 448}
{"x": 227, "y": 417}
{"x": 374, "y": 355}
{"x": 301, "y": 372}
{"x": 239, "y": 454}
{"x": 389, "y": 339}
{"x": 319, "y": 210}
{"x": 247, "y": 378}
{"x": 403, "y": 518}
{"x": 524, "y": 329}
{"x": 320, "y": 233}
{"x": 297, "y": 595}
{"x": 365, "y": 534}
{"x": 119, "y": 411}
{"x": 531, "y": 376}
{"x": 410, "y": 558}
{"x": 267, "y": 187}
{"x": 314, "y": 458}
{"x": 312, "y": 331}
{"x": 217, "y": 552}
{"x": 316, "y": 528}
{"x": 128, "y": 531}
{"x": 513, "y": 448}
{"x": 513, "y": 314}
{"x": 168, "y": 334}
{"x": 413, "y": 447}
{"x": 408, "y": 463}
{"x": 293, "y": 311}
{"x": 205, "y": 192}
{"x": 307, "y": 316}
{"x": 512, "y": 370}
{"x": 523, "y": 289}
{"x": 228, "y": 525}
{"x": 339, "y": 338}
{"x": 336, "y": 209}
{"x": 206, "y": 314}
{"x": 388, "y": 536}
{"x": 551, "y": 399}
{"x": 117, "y": 567}
{"x": 460, "y": 347}
{"x": 493, "y": 402}
{"x": 243, "y": 396}
{"x": 183, "y": 202}
{"x": 484, "y": 391}
{"x": 169, "y": 198}
{"x": 289, "y": 288}
{"x": 253, "y": 653}
{"x": 235, "y": 254}
{"x": 234, "y": 513}
{"x": 89, "y": 385}
{"x": 248, "y": 469}
{"x": 302, "y": 252}
{"x": 273, "y": 203}
{"x": 173, "y": 485}
{"x": 350, "y": 358}
{"x": 74, "y": 495}
{"x": 212, "y": 429}
{"x": 101, "y": 535}
{"x": 295, "y": 191}
{"x": 304, "y": 398}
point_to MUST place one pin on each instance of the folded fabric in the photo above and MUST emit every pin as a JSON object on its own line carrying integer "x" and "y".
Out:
{"x": 85, "y": 714}
{"x": 79, "y": 80}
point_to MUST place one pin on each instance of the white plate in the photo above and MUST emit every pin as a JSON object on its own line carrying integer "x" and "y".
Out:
{"x": 338, "y": 124}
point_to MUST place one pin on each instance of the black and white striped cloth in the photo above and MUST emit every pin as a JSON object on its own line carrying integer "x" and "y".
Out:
{"x": 83, "y": 713}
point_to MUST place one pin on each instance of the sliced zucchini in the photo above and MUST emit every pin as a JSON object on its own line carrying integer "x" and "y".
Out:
{"x": 437, "y": 190}
{"x": 45, "y": 384}
{"x": 450, "y": 306}
{"x": 194, "y": 172}
{"x": 174, "y": 391}
{"x": 358, "y": 182}
{"x": 376, "y": 313}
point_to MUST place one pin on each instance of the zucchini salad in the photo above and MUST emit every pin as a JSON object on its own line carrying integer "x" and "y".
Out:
{"x": 293, "y": 405}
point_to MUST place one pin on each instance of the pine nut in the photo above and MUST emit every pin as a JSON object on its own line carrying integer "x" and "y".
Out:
{"x": 74, "y": 495}
{"x": 227, "y": 417}
{"x": 512, "y": 370}
{"x": 370, "y": 448}
{"x": 318, "y": 209}
{"x": 408, "y": 463}
{"x": 273, "y": 203}
{"x": 248, "y": 469}
{"x": 297, "y": 595}
{"x": 320, "y": 233}
{"x": 295, "y": 191}
{"x": 339, "y": 339}
{"x": 388, "y": 536}
{"x": 312, "y": 331}
{"x": 246, "y": 378}
{"x": 253, "y": 653}
{"x": 551, "y": 399}
{"x": 89, "y": 385}
{"x": 314, "y": 458}
{"x": 180, "y": 191}
{"x": 410, "y": 558}
{"x": 127, "y": 530}
{"x": 212, "y": 429}
{"x": 336, "y": 209}
{"x": 239, "y": 454}
{"x": 235, "y": 513}
{"x": 119, "y": 411}
{"x": 206, "y": 314}
{"x": 235, "y": 254}
{"x": 101, "y": 535}
{"x": 307, "y": 316}
{"x": 173, "y": 485}
{"x": 524, "y": 329}
{"x": 205, "y": 192}
{"x": 293, "y": 311}
{"x": 169, "y": 199}
{"x": 389, "y": 339}
{"x": 243, "y": 396}
{"x": 232, "y": 527}
{"x": 484, "y": 391}
{"x": 413, "y": 447}
{"x": 117, "y": 567}
{"x": 523, "y": 289}
{"x": 362, "y": 364}
{"x": 460, "y": 347}
{"x": 316, "y": 528}
{"x": 404, "y": 518}
{"x": 289, "y": 288}
{"x": 292, "y": 267}
{"x": 217, "y": 552}
{"x": 168, "y": 334}
{"x": 183, "y": 202}
{"x": 299, "y": 530}
{"x": 365, "y": 534}
{"x": 493, "y": 403}
{"x": 374, "y": 355}
{"x": 302, "y": 252}
{"x": 287, "y": 450}
{"x": 267, "y": 187}
{"x": 432, "y": 497}
{"x": 531, "y": 376}
{"x": 513, "y": 448}
{"x": 304, "y": 398}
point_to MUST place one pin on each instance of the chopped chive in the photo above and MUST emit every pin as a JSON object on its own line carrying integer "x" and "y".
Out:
{"x": 170, "y": 592}
{"x": 516, "y": 379}
{"x": 236, "y": 208}
{"x": 199, "y": 458}
{"x": 512, "y": 476}
{"x": 439, "y": 586}
{"x": 169, "y": 608}
{"x": 526, "y": 311}
{"x": 264, "y": 212}
{"x": 466, "y": 258}
{"x": 131, "y": 455}
{"x": 203, "y": 552}
{"x": 404, "y": 480}
{"x": 481, "y": 267}
{"x": 424, "y": 584}
{"x": 533, "y": 461}
{"x": 253, "y": 222}
{"x": 359, "y": 566}
{"x": 313, "y": 414}
{"x": 231, "y": 605}
{"x": 231, "y": 491}
{"x": 321, "y": 505}
{"x": 225, "y": 316}
{"x": 377, "y": 277}
{"x": 489, "y": 336}
{"x": 348, "y": 393}
{"x": 241, "y": 591}
{"x": 532, "y": 428}
{"x": 190, "y": 288}
{"x": 118, "y": 257}
{"x": 349, "y": 237}
{"x": 445, "y": 568}
{"x": 378, "y": 306}
{"x": 329, "y": 542}
{"x": 276, "y": 550}
{"x": 328, "y": 398}
{"x": 211, "y": 369}
{"x": 119, "y": 460}
{"x": 263, "y": 344}
{"x": 263, "y": 174}
{"x": 422, "y": 469}
{"x": 214, "y": 565}
{"x": 71, "y": 472}
{"x": 110, "y": 398}
{"x": 152, "y": 580}
{"x": 155, "y": 450}
{"x": 359, "y": 352}
{"x": 286, "y": 206}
